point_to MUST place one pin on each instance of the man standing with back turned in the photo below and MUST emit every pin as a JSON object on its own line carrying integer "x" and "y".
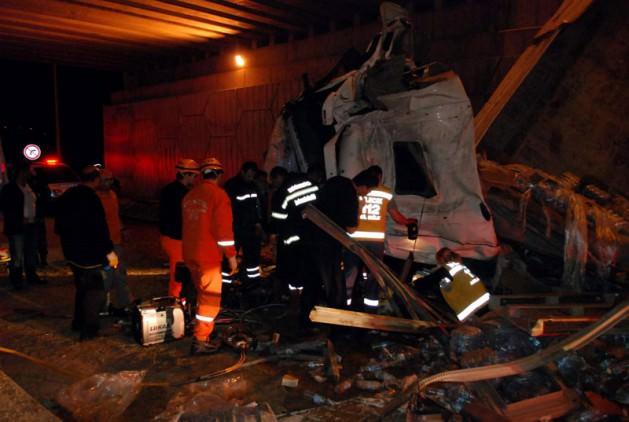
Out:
{"x": 207, "y": 236}
{"x": 82, "y": 228}
{"x": 170, "y": 217}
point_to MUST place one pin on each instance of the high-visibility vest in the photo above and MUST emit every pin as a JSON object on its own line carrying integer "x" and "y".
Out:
{"x": 372, "y": 218}
{"x": 463, "y": 291}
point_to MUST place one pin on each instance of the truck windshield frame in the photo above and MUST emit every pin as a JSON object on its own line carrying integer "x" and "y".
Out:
{"x": 412, "y": 175}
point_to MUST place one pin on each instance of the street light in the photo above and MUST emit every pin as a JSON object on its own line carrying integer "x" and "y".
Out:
{"x": 239, "y": 60}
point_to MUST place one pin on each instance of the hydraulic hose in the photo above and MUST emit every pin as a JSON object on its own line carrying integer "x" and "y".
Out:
{"x": 574, "y": 342}
{"x": 39, "y": 362}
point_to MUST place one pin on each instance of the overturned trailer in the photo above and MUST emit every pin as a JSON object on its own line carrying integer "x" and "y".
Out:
{"x": 414, "y": 122}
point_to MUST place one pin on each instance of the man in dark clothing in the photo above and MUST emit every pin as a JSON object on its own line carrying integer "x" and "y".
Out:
{"x": 42, "y": 191}
{"x": 170, "y": 217}
{"x": 338, "y": 199}
{"x": 247, "y": 217}
{"x": 294, "y": 239}
{"x": 82, "y": 228}
{"x": 19, "y": 209}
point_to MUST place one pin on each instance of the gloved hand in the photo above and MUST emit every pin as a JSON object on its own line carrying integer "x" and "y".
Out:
{"x": 233, "y": 265}
{"x": 112, "y": 259}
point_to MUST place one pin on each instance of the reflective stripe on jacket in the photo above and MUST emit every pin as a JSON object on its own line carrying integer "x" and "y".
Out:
{"x": 372, "y": 218}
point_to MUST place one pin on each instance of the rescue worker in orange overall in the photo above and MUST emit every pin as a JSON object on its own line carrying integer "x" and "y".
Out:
{"x": 207, "y": 236}
{"x": 170, "y": 217}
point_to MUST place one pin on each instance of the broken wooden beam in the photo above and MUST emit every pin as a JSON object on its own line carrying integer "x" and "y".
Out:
{"x": 368, "y": 321}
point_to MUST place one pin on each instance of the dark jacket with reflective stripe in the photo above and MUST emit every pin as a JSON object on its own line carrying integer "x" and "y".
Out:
{"x": 288, "y": 203}
{"x": 246, "y": 207}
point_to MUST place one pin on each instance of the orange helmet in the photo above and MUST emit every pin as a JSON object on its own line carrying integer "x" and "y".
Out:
{"x": 187, "y": 165}
{"x": 211, "y": 164}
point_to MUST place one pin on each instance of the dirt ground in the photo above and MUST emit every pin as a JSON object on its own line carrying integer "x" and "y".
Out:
{"x": 36, "y": 321}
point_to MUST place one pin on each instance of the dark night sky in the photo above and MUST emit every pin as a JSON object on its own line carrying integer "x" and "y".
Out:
{"x": 27, "y": 109}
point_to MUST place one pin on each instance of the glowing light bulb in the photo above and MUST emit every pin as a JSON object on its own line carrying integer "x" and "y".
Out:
{"x": 239, "y": 60}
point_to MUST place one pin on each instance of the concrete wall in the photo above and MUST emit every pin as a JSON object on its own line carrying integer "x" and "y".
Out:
{"x": 229, "y": 113}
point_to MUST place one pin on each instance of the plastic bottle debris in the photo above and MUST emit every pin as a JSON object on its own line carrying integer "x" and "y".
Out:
{"x": 526, "y": 386}
{"x": 369, "y": 385}
{"x": 387, "y": 379}
{"x": 575, "y": 371}
{"x": 101, "y": 397}
{"x": 290, "y": 381}
{"x": 465, "y": 339}
{"x": 343, "y": 386}
{"x": 452, "y": 397}
{"x": 318, "y": 375}
{"x": 318, "y": 399}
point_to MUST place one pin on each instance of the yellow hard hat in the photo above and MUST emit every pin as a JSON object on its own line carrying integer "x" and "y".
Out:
{"x": 212, "y": 164}
{"x": 187, "y": 165}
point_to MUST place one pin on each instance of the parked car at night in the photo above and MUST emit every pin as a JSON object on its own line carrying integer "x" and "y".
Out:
{"x": 58, "y": 176}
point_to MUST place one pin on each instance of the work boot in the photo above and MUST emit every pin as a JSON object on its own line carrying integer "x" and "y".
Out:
{"x": 35, "y": 279}
{"x": 208, "y": 347}
{"x": 15, "y": 276}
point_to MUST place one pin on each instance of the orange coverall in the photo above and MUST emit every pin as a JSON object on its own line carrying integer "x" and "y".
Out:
{"x": 175, "y": 255}
{"x": 207, "y": 235}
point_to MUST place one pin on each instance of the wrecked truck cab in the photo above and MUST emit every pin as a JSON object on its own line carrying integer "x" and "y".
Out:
{"x": 424, "y": 143}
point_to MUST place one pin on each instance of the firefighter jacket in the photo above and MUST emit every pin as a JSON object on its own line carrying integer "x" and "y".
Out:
{"x": 170, "y": 209}
{"x": 207, "y": 225}
{"x": 372, "y": 218}
{"x": 288, "y": 203}
{"x": 245, "y": 202}
{"x": 462, "y": 290}
{"x": 339, "y": 201}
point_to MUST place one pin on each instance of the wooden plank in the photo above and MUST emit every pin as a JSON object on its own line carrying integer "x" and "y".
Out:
{"x": 560, "y": 325}
{"x": 571, "y": 308}
{"x": 217, "y": 8}
{"x": 137, "y": 10}
{"x": 368, "y": 321}
{"x": 568, "y": 12}
{"x": 500, "y": 301}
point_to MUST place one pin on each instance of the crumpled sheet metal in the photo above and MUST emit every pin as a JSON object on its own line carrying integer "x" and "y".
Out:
{"x": 590, "y": 230}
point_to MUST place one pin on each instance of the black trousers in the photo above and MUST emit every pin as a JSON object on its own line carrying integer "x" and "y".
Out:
{"x": 327, "y": 275}
{"x": 304, "y": 274}
{"x": 88, "y": 300}
{"x": 249, "y": 244}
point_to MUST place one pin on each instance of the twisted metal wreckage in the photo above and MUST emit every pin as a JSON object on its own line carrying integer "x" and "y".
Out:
{"x": 417, "y": 124}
